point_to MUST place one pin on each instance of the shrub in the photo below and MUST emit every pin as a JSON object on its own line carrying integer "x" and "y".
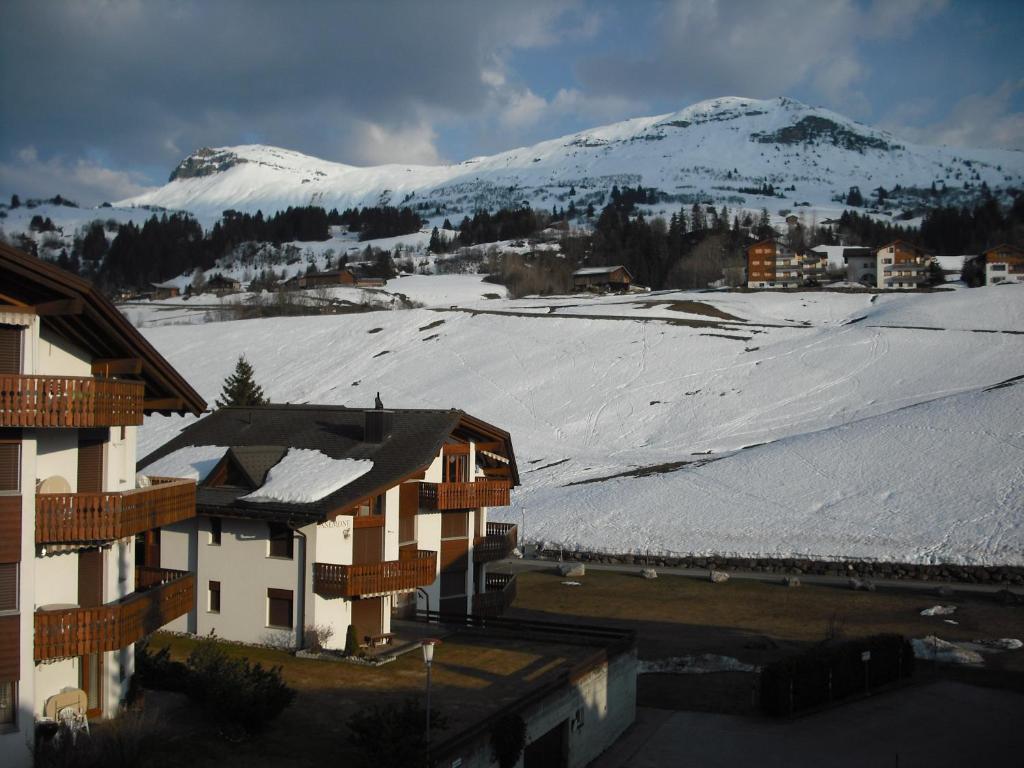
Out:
{"x": 833, "y": 671}
{"x": 157, "y": 671}
{"x": 393, "y": 736}
{"x": 128, "y": 741}
{"x": 352, "y": 642}
{"x": 318, "y": 637}
{"x": 234, "y": 691}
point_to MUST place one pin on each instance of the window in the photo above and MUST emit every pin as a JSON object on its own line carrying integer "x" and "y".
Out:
{"x": 215, "y": 531}
{"x": 10, "y": 349}
{"x": 214, "y": 597}
{"x": 279, "y": 608}
{"x": 8, "y": 703}
{"x": 8, "y": 587}
{"x": 998, "y": 267}
{"x": 10, "y": 465}
{"x": 281, "y": 542}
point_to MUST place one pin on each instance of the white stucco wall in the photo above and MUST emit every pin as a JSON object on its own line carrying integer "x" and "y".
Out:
{"x": 56, "y": 455}
{"x": 57, "y": 355}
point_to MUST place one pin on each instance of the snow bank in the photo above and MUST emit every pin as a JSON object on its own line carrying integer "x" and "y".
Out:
{"x": 194, "y": 462}
{"x": 304, "y": 476}
{"x": 932, "y": 648}
{"x": 939, "y": 610}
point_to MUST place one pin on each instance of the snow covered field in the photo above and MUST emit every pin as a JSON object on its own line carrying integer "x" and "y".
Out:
{"x": 810, "y": 424}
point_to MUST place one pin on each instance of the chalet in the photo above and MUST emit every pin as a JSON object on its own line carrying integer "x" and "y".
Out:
{"x": 770, "y": 264}
{"x": 861, "y": 265}
{"x": 1004, "y": 264}
{"x": 332, "y": 277}
{"x": 813, "y": 266}
{"x": 329, "y": 517}
{"x": 900, "y": 264}
{"x": 166, "y": 290}
{"x": 80, "y": 576}
{"x": 613, "y": 278}
{"x": 222, "y": 285}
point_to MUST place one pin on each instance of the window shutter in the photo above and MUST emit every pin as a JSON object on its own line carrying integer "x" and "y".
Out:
{"x": 8, "y": 586}
{"x": 90, "y": 465}
{"x": 10, "y": 349}
{"x": 368, "y": 545}
{"x": 279, "y": 607}
{"x": 10, "y": 468}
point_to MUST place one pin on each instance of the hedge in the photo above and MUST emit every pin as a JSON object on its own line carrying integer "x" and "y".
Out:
{"x": 833, "y": 671}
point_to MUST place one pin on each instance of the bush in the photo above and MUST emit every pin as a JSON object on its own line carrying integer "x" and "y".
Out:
{"x": 156, "y": 670}
{"x": 352, "y": 642}
{"x": 829, "y": 672}
{"x": 393, "y": 736}
{"x": 317, "y": 637}
{"x": 234, "y": 691}
{"x": 128, "y": 741}
{"x": 508, "y": 739}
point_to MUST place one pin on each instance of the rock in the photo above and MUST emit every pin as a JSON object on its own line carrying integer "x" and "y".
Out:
{"x": 790, "y": 581}
{"x": 718, "y": 577}
{"x": 572, "y": 570}
{"x": 649, "y": 573}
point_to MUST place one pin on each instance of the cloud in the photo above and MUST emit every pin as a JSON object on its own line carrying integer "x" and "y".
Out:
{"x": 149, "y": 81}
{"x": 978, "y": 120}
{"x": 705, "y": 49}
{"x": 83, "y": 180}
{"x": 375, "y": 144}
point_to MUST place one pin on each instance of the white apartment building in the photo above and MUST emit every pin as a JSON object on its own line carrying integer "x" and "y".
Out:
{"x": 78, "y": 587}
{"x": 324, "y": 516}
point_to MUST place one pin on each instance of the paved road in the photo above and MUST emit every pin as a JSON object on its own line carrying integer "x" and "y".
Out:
{"x": 930, "y": 726}
{"x": 517, "y": 566}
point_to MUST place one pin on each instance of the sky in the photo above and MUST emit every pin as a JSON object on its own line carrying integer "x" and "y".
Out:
{"x": 100, "y": 99}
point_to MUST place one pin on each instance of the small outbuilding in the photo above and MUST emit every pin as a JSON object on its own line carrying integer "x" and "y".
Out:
{"x": 166, "y": 290}
{"x": 611, "y": 278}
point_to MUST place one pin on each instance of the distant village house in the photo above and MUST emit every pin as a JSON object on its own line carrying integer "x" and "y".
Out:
{"x": 1004, "y": 264}
{"x": 611, "y": 278}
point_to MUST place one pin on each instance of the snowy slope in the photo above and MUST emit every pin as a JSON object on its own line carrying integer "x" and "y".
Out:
{"x": 874, "y": 437}
{"x": 711, "y": 149}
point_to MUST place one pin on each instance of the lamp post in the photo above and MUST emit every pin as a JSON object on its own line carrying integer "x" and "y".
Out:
{"x": 428, "y": 659}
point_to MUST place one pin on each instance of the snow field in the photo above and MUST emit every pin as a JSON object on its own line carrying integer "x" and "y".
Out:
{"x": 879, "y": 442}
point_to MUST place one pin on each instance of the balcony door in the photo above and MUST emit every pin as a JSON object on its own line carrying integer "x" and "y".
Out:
{"x": 90, "y": 595}
{"x": 368, "y": 545}
{"x": 367, "y": 617}
{"x": 10, "y": 349}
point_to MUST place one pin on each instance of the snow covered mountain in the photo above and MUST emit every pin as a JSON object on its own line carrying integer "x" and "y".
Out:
{"x": 722, "y": 150}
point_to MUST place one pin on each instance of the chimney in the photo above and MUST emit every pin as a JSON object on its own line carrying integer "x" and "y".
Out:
{"x": 377, "y": 425}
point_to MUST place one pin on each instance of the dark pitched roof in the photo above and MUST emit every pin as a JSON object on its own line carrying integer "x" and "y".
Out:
{"x": 94, "y": 324}
{"x": 256, "y": 435}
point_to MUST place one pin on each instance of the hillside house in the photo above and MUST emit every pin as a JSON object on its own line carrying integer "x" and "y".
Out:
{"x": 861, "y": 265}
{"x": 813, "y": 266}
{"x": 222, "y": 285}
{"x": 770, "y": 264}
{"x": 332, "y": 277}
{"x": 611, "y": 278}
{"x": 328, "y": 516}
{"x": 1004, "y": 264}
{"x": 81, "y": 579}
{"x": 900, "y": 264}
{"x": 165, "y": 290}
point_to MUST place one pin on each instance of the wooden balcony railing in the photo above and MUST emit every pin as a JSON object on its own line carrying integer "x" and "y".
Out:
{"x": 67, "y": 632}
{"x": 69, "y": 401}
{"x": 498, "y": 544}
{"x": 482, "y": 493}
{"x": 89, "y": 517}
{"x": 414, "y": 568}
{"x": 500, "y": 591}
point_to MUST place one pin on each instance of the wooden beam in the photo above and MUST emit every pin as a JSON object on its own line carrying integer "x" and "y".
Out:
{"x": 494, "y": 446}
{"x": 106, "y": 366}
{"x": 60, "y": 307}
{"x": 164, "y": 404}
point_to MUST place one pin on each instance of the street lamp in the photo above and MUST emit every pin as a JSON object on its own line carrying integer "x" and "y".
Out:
{"x": 428, "y": 659}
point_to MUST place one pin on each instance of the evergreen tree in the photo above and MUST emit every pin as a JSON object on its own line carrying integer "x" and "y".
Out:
{"x": 435, "y": 246}
{"x": 240, "y": 388}
{"x": 15, "y": 201}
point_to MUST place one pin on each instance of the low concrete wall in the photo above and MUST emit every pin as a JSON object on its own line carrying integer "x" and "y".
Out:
{"x": 976, "y": 574}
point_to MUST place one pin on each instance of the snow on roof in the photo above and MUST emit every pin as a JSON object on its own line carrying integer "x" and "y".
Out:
{"x": 597, "y": 270}
{"x": 194, "y": 462}
{"x": 304, "y": 476}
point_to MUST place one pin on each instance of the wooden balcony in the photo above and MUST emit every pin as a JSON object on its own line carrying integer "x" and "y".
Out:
{"x": 482, "y": 493}
{"x": 69, "y": 401}
{"x": 414, "y": 568}
{"x": 498, "y": 544}
{"x": 68, "y": 518}
{"x": 161, "y": 595}
{"x": 500, "y": 592}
